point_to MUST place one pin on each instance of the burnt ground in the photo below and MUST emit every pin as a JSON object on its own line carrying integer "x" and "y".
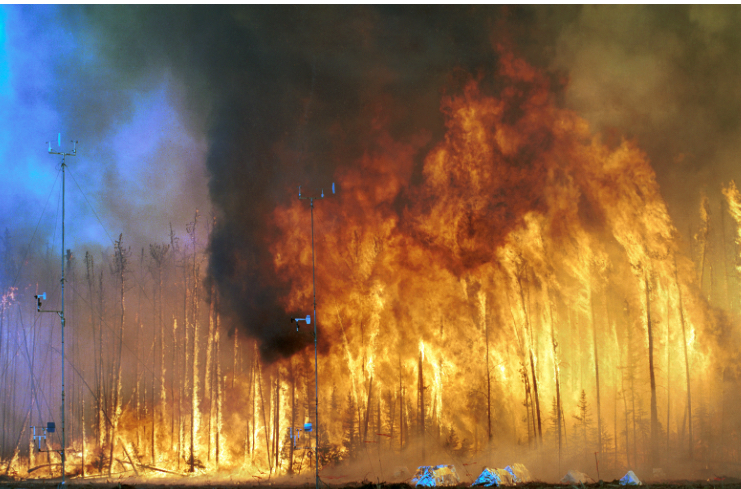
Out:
{"x": 10, "y": 483}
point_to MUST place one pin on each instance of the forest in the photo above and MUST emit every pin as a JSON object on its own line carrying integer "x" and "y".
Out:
{"x": 561, "y": 318}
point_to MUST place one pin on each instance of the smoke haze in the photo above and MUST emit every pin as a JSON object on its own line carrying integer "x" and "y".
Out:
{"x": 230, "y": 109}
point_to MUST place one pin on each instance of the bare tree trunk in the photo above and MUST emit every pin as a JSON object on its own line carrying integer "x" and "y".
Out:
{"x": 195, "y": 416}
{"x": 103, "y": 427}
{"x": 175, "y": 385}
{"x": 668, "y": 373}
{"x": 253, "y": 388}
{"x": 234, "y": 364}
{"x": 207, "y": 385}
{"x": 378, "y": 422}
{"x": 137, "y": 382}
{"x": 84, "y": 446}
{"x": 702, "y": 237}
{"x": 401, "y": 410}
{"x": 90, "y": 275}
{"x": 264, "y": 419}
{"x": 528, "y": 326}
{"x": 724, "y": 247}
{"x": 121, "y": 260}
{"x": 276, "y": 424}
{"x": 631, "y": 379}
{"x": 488, "y": 376}
{"x": 293, "y": 417}
{"x": 596, "y": 372}
{"x": 557, "y": 376}
{"x": 185, "y": 374}
{"x": 654, "y": 412}
{"x": 158, "y": 254}
{"x": 152, "y": 408}
{"x": 686, "y": 360}
{"x": 218, "y": 394}
{"x": 421, "y": 404}
{"x": 368, "y": 409}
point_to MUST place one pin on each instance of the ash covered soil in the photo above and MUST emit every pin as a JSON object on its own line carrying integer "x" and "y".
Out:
{"x": 7, "y": 483}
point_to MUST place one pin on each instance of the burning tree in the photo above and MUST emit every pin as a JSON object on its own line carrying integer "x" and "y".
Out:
{"x": 516, "y": 273}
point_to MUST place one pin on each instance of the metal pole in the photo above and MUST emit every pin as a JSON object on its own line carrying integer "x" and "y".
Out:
{"x": 316, "y": 362}
{"x": 61, "y": 315}
{"x": 62, "y": 451}
{"x": 316, "y": 365}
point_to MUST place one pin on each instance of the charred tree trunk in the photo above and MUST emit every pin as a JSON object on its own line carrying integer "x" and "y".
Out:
{"x": 368, "y": 410}
{"x": 219, "y": 394}
{"x": 630, "y": 367}
{"x": 401, "y": 410}
{"x": 686, "y": 360}
{"x": 528, "y": 326}
{"x": 158, "y": 253}
{"x": 137, "y": 383}
{"x": 421, "y": 404}
{"x": 121, "y": 256}
{"x": 208, "y": 379}
{"x": 102, "y": 390}
{"x": 523, "y": 373}
{"x": 253, "y": 387}
{"x": 702, "y": 237}
{"x": 488, "y": 378}
{"x": 90, "y": 276}
{"x": 293, "y": 417}
{"x": 596, "y": 374}
{"x": 153, "y": 404}
{"x": 234, "y": 357}
{"x": 668, "y": 373}
{"x": 84, "y": 445}
{"x": 264, "y": 418}
{"x": 654, "y": 412}
{"x": 195, "y": 416}
{"x": 557, "y": 377}
{"x": 276, "y": 423}
{"x": 379, "y": 427}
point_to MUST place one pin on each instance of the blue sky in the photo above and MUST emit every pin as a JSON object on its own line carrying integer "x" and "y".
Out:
{"x": 140, "y": 157}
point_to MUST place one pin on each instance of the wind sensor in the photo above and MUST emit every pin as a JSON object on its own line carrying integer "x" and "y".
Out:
{"x": 307, "y": 319}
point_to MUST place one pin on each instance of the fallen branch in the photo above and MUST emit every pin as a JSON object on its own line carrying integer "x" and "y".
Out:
{"x": 161, "y": 470}
{"x": 42, "y": 466}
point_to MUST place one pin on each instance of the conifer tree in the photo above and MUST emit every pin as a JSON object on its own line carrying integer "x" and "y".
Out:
{"x": 350, "y": 432}
{"x": 584, "y": 420}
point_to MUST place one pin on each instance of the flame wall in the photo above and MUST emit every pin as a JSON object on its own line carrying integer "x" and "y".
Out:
{"x": 529, "y": 256}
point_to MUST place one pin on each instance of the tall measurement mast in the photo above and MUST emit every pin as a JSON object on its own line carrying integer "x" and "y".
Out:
{"x": 61, "y": 312}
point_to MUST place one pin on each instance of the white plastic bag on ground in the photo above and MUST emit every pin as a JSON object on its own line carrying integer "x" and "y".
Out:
{"x": 493, "y": 478}
{"x": 630, "y": 479}
{"x": 519, "y": 473}
{"x": 576, "y": 477}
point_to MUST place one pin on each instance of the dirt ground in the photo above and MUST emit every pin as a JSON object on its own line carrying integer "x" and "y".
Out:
{"x": 7, "y": 483}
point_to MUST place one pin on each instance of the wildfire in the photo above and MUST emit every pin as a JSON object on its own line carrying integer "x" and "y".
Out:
{"x": 522, "y": 292}
{"x": 529, "y": 245}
